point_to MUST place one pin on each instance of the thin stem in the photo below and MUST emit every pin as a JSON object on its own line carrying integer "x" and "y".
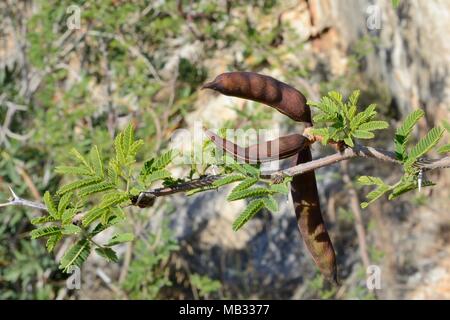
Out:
{"x": 147, "y": 198}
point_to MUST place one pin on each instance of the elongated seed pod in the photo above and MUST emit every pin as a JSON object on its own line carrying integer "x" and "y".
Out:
{"x": 264, "y": 89}
{"x": 276, "y": 149}
{"x": 309, "y": 218}
{"x": 291, "y": 102}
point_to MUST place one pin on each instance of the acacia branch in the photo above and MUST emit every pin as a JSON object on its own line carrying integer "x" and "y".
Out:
{"x": 15, "y": 200}
{"x": 147, "y": 198}
{"x": 363, "y": 152}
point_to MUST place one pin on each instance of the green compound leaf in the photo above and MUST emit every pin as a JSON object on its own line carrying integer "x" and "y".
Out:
{"x": 242, "y": 194}
{"x": 164, "y": 160}
{"x": 403, "y": 133}
{"x": 408, "y": 186}
{"x": 96, "y": 162}
{"x": 63, "y": 203}
{"x": 348, "y": 141}
{"x": 157, "y": 175}
{"x": 252, "y": 208}
{"x": 354, "y": 97}
{"x": 369, "y": 180}
{"x": 120, "y": 238}
{"x": 81, "y": 171}
{"x": 375, "y": 194}
{"x": 50, "y": 205}
{"x": 361, "y": 134}
{"x": 78, "y": 184}
{"x": 373, "y": 125}
{"x": 271, "y": 204}
{"x": 78, "y": 156}
{"x": 52, "y": 241}
{"x": 108, "y": 254}
{"x": 96, "y": 188}
{"x": 93, "y": 215}
{"x": 280, "y": 188}
{"x": 227, "y": 180}
{"x": 43, "y": 219}
{"x": 76, "y": 255}
{"x": 245, "y": 184}
{"x": 45, "y": 232}
{"x": 114, "y": 199}
{"x": 70, "y": 229}
{"x": 424, "y": 145}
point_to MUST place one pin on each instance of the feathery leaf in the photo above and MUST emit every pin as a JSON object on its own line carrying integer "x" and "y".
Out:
{"x": 50, "y": 205}
{"x": 43, "y": 219}
{"x": 349, "y": 141}
{"x": 120, "y": 238}
{"x": 375, "y": 194}
{"x": 108, "y": 254}
{"x": 157, "y": 175}
{"x": 128, "y": 138}
{"x": 93, "y": 215}
{"x": 81, "y": 159}
{"x": 245, "y": 184}
{"x": 67, "y": 216}
{"x": 279, "y": 188}
{"x": 76, "y": 255}
{"x": 406, "y": 187}
{"x": 71, "y": 229}
{"x": 369, "y": 180}
{"x": 95, "y": 188}
{"x": 96, "y": 161}
{"x": 164, "y": 160}
{"x": 77, "y": 185}
{"x": 425, "y": 144}
{"x": 373, "y": 125}
{"x": 44, "y": 232}
{"x": 404, "y": 131}
{"x": 361, "y": 134}
{"x": 271, "y": 204}
{"x": 80, "y": 171}
{"x": 354, "y": 97}
{"x": 254, "y": 192}
{"x": 113, "y": 199}
{"x": 64, "y": 202}
{"x": 227, "y": 180}
{"x": 252, "y": 208}
{"x": 52, "y": 241}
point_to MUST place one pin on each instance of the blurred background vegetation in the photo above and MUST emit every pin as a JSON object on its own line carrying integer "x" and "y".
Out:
{"x": 143, "y": 62}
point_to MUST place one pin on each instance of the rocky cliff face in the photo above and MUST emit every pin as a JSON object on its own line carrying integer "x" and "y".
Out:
{"x": 411, "y": 58}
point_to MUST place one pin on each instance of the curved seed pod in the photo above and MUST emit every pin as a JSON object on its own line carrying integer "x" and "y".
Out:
{"x": 310, "y": 221}
{"x": 264, "y": 89}
{"x": 276, "y": 149}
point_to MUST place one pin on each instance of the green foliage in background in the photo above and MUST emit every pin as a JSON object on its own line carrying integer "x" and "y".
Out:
{"x": 124, "y": 74}
{"x": 91, "y": 82}
{"x": 148, "y": 273}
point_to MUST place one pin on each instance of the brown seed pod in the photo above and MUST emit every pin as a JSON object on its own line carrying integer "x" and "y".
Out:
{"x": 309, "y": 218}
{"x": 276, "y": 149}
{"x": 291, "y": 102}
{"x": 264, "y": 89}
